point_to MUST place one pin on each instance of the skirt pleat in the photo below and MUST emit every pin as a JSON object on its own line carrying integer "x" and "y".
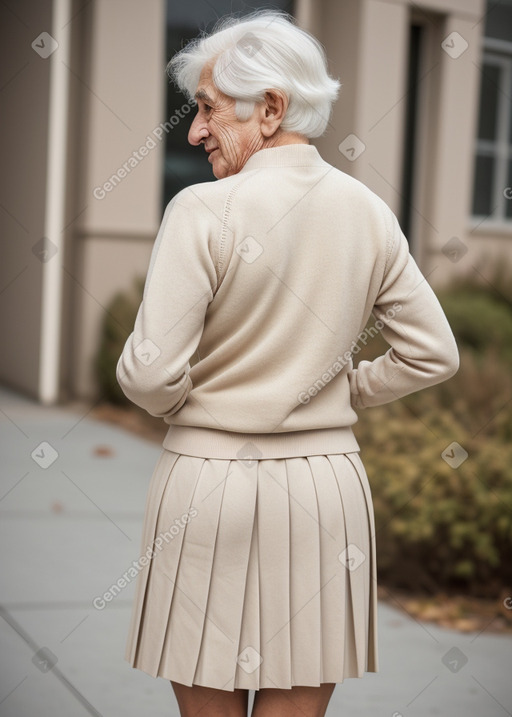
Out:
{"x": 262, "y": 573}
{"x": 305, "y": 575}
{"x": 157, "y": 486}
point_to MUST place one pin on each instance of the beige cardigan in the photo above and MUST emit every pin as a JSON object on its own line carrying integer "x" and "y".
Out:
{"x": 272, "y": 275}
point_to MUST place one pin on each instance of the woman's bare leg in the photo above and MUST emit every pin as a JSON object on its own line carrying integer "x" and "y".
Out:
{"x": 296, "y": 702}
{"x": 198, "y": 701}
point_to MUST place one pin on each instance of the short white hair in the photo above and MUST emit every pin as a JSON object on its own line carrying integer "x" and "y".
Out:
{"x": 262, "y": 51}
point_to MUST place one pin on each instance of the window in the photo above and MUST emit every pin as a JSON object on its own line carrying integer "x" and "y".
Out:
{"x": 411, "y": 113}
{"x": 493, "y": 161}
{"x": 185, "y": 164}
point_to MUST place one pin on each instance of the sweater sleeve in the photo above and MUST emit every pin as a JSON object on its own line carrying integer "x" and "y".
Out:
{"x": 153, "y": 369}
{"x": 423, "y": 351}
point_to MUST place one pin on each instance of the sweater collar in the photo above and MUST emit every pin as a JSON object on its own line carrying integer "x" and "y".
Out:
{"x": 286, "y": 155}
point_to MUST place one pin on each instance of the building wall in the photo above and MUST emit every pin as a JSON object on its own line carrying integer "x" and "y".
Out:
{"x": 367, "y": 47}
{"x": 23, "y": 148}
{"x": 122, "y": 84}
{"x": 117, "y": 86}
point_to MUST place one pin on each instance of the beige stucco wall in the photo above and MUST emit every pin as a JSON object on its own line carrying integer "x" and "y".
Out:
{"x": 451, "y": 155}
{"x": 367, "y": 47}
{"x": 366, "y": 43}
{"x": 117, "y": 87}
{"x": 23, "y": 148}
{"x": 123, "y": 100}
{"x": 364, "y": 40}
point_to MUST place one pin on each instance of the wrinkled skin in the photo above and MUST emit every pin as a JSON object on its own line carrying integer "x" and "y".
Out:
{"x": 232, "y": 142}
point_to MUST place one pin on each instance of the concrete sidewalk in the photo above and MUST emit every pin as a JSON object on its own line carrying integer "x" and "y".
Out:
{"x": 71, "y": 519}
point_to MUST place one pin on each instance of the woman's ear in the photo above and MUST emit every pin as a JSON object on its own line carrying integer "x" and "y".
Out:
{"x": 274, "y": 108}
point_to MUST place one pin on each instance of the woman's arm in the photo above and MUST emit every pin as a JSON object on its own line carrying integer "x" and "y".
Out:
{"x": 153, "y": 369}
{"x": 423, "y": 349}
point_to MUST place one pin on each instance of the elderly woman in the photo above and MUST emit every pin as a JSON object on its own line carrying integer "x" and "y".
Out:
{"x": 257, "y": 568}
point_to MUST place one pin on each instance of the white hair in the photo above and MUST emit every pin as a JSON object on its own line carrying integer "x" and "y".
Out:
{"x": 262, "y": 51}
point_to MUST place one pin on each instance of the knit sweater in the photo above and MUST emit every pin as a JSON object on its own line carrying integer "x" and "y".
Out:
{"x": 271, "y": 275}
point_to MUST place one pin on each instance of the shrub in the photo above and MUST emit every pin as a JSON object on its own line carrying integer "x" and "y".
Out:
{"x": 479, "y": 320}
{"x": 117, "y": 325}
{"x": 438, "y": 527}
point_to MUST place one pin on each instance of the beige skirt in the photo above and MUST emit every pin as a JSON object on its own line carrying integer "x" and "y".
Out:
{"x": 256, "y": 574}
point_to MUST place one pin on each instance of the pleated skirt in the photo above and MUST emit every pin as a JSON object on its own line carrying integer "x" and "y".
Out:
{"x": 256, "y": 574}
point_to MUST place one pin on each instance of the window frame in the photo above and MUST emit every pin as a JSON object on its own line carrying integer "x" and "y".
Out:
{"x": 497, "y": 53}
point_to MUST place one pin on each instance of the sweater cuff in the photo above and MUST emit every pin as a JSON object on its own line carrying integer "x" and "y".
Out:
{"x": 356, "y": 400}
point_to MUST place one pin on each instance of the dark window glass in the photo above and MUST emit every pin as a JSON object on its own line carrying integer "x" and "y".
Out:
{"x": 509, "y": 100}
{"x": 498, "y": 20}
{"x": 413, "y": 81}
{"x": 185, "y": 164}
{"x": 489, "y": 93}
{"x": 508, "y": 192}
{"x": 483, "y": 186}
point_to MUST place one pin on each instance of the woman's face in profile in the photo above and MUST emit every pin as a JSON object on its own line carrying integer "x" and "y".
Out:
{"x": 228, "y": 141}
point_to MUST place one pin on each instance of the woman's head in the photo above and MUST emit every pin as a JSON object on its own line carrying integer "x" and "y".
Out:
{"x": 258, "y": 80}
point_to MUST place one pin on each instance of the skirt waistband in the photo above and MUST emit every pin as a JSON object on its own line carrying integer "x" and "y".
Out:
{"x": 212, "y": 443}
